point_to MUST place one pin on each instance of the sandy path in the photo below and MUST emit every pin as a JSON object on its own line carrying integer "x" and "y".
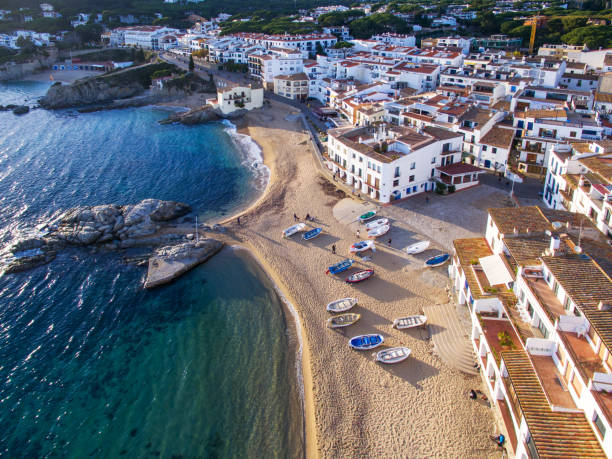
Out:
{"x": 355, "y": 407}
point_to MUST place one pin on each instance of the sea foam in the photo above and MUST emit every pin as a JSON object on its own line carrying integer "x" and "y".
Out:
{"x": 253, "y": 156}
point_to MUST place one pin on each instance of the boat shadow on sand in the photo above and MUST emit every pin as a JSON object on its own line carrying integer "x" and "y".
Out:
{"x": 380, "y": 289}
{"x": 411, "y": 370}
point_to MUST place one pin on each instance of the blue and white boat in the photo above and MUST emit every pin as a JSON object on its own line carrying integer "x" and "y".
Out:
{"x": 308, "y": 235}
{"x": 362, "y": 246}
{"x": 365, "y": 342}
{"x": 341, "y": 266}
{"x": 437, "y": 260}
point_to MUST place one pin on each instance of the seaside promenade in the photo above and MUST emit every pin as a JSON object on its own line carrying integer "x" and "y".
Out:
{"x": 354, "y": 406}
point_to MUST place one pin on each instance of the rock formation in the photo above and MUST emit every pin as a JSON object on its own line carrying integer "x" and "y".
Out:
{"x": 149, "y": 223}
{"x": 168, "y": 263}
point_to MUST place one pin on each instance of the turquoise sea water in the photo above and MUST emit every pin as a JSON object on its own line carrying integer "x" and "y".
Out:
{"x": 92, "y": 365}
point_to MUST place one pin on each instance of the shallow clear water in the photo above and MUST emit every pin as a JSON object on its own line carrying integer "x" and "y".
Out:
{"x": 93, "y": 365}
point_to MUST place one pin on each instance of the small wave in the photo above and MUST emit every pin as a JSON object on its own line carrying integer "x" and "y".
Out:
{"x": 253, "y": 155}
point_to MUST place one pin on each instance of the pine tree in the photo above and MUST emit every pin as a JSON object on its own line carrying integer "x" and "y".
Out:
{"x": 191, "y": 64}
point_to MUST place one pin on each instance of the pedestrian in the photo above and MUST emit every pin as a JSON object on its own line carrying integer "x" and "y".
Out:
{"x": 238, "y": 221}
{"x": 334, "y": 249}
{"x": 357, "y": 234}
{"x": 295, "y": 217}
{"x": 307, "y": 217}
{"x": 389, "y": 242}
{"x": 473, "y": 394}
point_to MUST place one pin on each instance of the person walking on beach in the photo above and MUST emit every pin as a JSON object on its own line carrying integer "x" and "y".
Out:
{"x": 334, "y": 249}
{"x": 238, "y": 221}
{"x": 389, "y": 242}
{"x": 295, "y": 217}
{"x": 357, "y": 234}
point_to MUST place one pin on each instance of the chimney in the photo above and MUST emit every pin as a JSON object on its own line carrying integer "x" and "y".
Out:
{"x": 360, "y": 140}
{"x": 555, "y": 243}
{"x": 604, "y": 306}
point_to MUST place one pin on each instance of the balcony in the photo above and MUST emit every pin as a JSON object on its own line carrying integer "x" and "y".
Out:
{"x": 552, "y": 382}
{"x": 500, "y": 336}
{"x": 586, "y": 360}
{"x": 547, "y": 299}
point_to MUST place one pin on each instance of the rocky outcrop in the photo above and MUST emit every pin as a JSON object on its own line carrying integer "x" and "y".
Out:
{"x": 91, "y": 91}
{"x": 29, "y": 253}
{"x": 168, "y": 263}
{"x": 148, "y": 224}
{"x": 106, "y": 223}
{"x": 201, "y": 115}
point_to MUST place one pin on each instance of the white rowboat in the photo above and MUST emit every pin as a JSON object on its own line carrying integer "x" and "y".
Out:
{"x": 343, "y": 320}
{"x": 293, "y": 229}
{"x": 377, "y": 223}
{"x": 342, "y": 305}
{"x": 376, "y": 232}
{"x": 362, "y": 246}
{"x": 393, "y": 355}
{"x": 417, "y": 248}
{"x": 409, "y": 322}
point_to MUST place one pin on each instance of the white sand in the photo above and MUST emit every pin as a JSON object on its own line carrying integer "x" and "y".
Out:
{"x": 356, "y": 407}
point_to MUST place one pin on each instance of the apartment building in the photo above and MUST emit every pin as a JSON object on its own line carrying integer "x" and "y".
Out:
{"x": 233, "y": 98}
{"x": 389, "y": 162}
{"x": 541, "y": 317}
{"x": 306, "y": 44}
{"x": 149, "y": 37}
{"x": 294, "y": 86}
{"x": 266, "y": 64}
{"x": 579, "y": 179}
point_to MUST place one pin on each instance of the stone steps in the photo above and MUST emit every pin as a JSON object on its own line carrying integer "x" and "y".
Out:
{"x": 450, "y": 338}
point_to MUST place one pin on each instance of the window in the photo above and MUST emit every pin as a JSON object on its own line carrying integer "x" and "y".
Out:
{"x": 484, "y": 148}
{"x": 600, "y": 425}
{"x": 433, "y": 160}
{"x": 397, "y": 172}
{"x": 446, "y": 147}
{"x": 494, "y": 150}
{"x": 395, "y": 182}
{"x": 572, "y": 133}
{"x": 411, "y": 179}
{"x": 568, "y": 303}
{"x": 412, "y": 166}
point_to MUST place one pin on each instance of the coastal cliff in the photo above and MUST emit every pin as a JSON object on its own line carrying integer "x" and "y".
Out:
{"x": 124, "y": 84}
{"x": 148, "y": 224}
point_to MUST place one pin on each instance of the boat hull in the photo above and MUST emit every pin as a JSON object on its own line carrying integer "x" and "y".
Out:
{"x": 367, "y": 216}
{"x": 403, "y": 323}
{"x": 393, "y": 355}
{"x": 342, "y": 305}
{"x": 340, "y": 267}
{"x": 308, "y": 235}
{"x": 361, "y": 246}
{"x": 366, "y": 342}
{"x": 377, "y": 223}
{"x": 438, "y": 260}
{"x": 293, "y": 230}
{"x": 360, "y": 276}
{"x": 380, "y": 231}
{"x": 417, "y": 248}
{"x": 343, "y": 320}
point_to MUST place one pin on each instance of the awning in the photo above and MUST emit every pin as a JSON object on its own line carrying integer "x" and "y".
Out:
{"x": 495, "y": 269}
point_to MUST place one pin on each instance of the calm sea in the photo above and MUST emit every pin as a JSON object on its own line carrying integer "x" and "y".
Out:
{"x": 93, "y": 365}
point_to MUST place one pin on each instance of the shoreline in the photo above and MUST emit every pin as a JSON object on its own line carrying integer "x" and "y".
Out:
{"x": 420, "y": 398}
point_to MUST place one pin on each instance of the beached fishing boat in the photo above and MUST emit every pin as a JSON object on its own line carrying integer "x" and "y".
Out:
{"x": 343, "y": 320}
{"x": 437, "y": 260}
{"x": 341, "y": 266}
{"x": 342, "y": 305}
{"x": 417, "y": 248}
{"x": 365, "y": 342}
{"x": 293, "y": 229}
{"x": 367, "y": 216}
{"x": 360, "y": 276}
{"x": 393, "y": 355}
{"x": 362, "y": 246}
{"x": 376, "y": 223}
{"x": 379, "y": 231}
{"x": 308, "y": 235}
{"x": 409, "y": 322}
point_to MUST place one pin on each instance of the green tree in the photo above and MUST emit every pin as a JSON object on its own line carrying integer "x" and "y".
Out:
{"x": 191, "y": 64}
{"x": 592, "y": 36}
{"x": 320, "y": 50}
{"x": 89, "y": 32}
{"x": 26, "y": 45}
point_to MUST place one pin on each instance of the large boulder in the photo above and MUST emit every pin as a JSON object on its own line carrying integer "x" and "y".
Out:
{"x": 169, "y": 210}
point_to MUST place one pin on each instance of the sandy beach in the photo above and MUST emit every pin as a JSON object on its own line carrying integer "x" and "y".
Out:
{"x": 354, "y": 406}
